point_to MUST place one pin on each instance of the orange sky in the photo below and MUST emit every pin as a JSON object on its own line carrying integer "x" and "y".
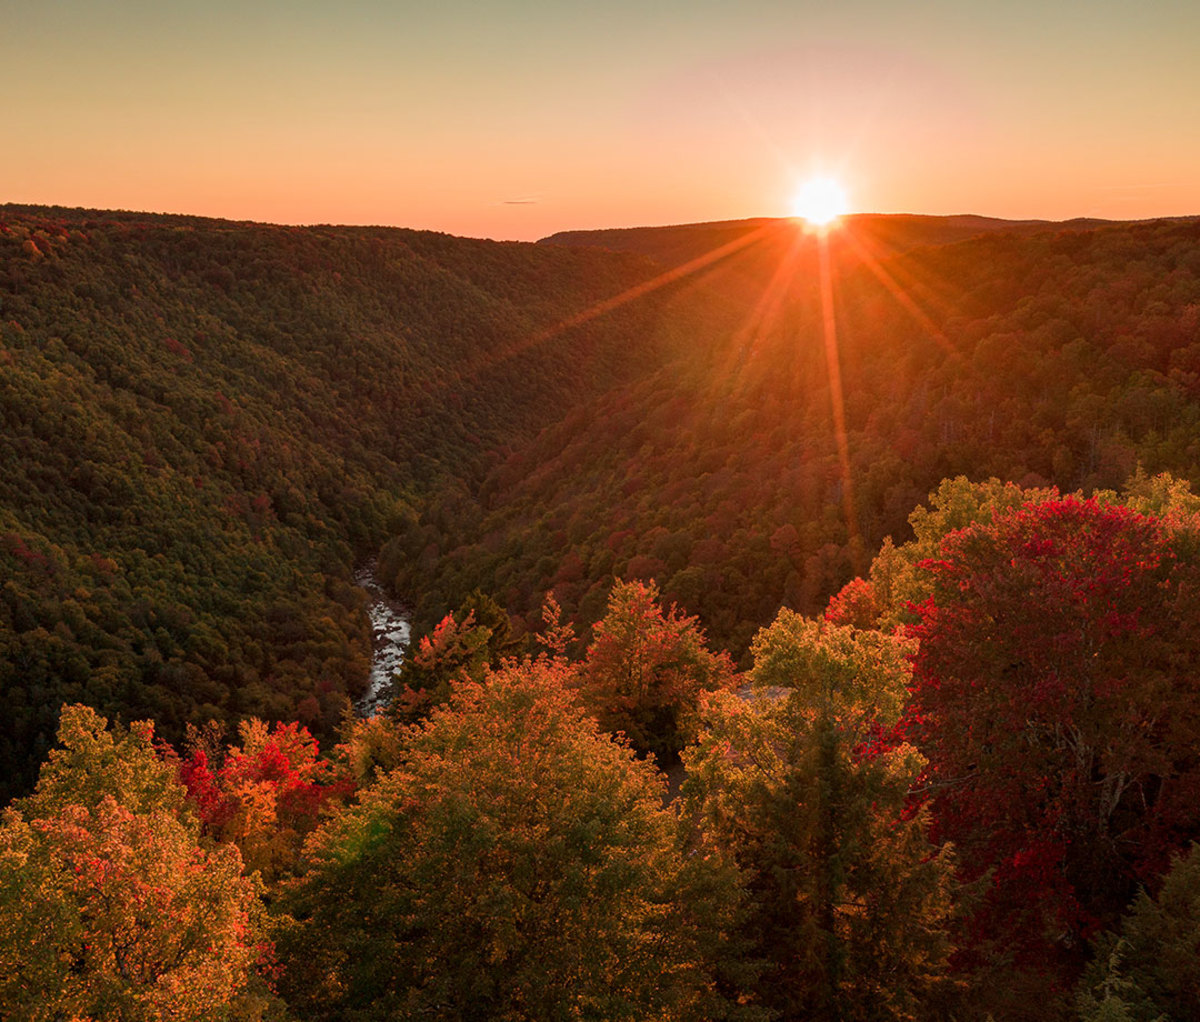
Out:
{"x": 519, "y": 119}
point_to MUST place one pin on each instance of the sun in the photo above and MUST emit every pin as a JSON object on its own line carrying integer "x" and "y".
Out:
{"x": 820, "y": 201}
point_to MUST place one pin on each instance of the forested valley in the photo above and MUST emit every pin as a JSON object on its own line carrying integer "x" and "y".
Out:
{"x": 808, "y": 623}
{"x": 206, "y": 425}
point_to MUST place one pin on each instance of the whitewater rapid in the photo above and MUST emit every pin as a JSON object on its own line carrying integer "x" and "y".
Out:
{"x": 390, "y": 635}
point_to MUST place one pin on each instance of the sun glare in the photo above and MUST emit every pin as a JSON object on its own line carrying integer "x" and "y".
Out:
{"x": 820, "y": 201}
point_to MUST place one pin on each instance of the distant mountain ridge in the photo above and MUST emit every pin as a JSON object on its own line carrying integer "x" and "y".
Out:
{"x": 672, "y": 245}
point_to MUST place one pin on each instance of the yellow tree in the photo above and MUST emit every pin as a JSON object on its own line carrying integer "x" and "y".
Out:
{"x": 849, "y": 902}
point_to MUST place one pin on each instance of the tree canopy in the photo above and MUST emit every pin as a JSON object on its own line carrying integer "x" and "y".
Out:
{"x": 646, "y": 669}
{"x": 1054, "y": 695}
{"x": 849, "y": 903}
{"x": 519, "y": 864}
{"x": 109, "y": 906}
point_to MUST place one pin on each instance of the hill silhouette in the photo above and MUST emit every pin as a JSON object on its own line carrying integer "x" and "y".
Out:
{"x": 887, "y": 232}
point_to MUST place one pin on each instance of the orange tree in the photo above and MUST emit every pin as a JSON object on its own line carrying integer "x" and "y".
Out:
{"x": 1055, "y": 697}
{"x": 646, "y": 668}
{"x": 462, "y": 646}
{"x": 109, "y": 908}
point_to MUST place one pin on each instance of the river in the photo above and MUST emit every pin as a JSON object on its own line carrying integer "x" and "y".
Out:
{"x": 390, "y": 634}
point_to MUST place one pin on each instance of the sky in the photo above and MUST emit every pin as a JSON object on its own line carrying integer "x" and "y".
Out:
{"x": 514, "y": 120}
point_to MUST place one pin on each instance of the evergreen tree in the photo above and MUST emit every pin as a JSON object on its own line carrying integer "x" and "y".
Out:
{"x": 1150, "y": 972}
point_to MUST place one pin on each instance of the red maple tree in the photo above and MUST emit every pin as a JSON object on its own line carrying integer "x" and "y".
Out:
{"x": 266, "y": 795}
{"x": 1055, "y": 696}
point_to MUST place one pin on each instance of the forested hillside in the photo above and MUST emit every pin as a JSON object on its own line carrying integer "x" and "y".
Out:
{"x": 620, "y": 489}
{"x": 967, "y": 792}
{"x": 1044, "y": 354}
{"x": 207, "y": 424}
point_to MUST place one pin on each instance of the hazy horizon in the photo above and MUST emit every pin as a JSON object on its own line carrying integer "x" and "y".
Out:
{"x": 587, "y": 229}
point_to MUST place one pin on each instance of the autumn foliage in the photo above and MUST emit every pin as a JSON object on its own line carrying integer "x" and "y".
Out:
{"x": 517, "y": 864}
{"x": 266, "y": 796}
{"x": 646, "y": 669}
{"x": 1056, "y": 699}
{"x": 974, "y": 774}
{"x": 109, "y": 905}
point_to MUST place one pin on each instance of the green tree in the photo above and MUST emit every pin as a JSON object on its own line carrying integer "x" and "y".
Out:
{"x": 1150, "y": 971}
{"x": 518, "y": 865}
{"x": 849, "y": 902}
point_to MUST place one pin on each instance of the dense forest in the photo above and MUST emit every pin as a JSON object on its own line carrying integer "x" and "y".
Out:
{"x": 206, "y": 425}
{"x": 807, "y": 622}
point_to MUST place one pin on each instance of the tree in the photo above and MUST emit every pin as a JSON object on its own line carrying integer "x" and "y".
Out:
{"x": 899, "y": 577}
{"x": 266, "y": 796}
{"x": 645, "y": 670}
{"x": 518, "y": 865}
{"x": 454, "y": 651}
{"x": 1150, "y": 971}
{"x": 109, "y": 908}
{"x": 849, "y": 902}
{"x": 1054, "y": 696}
{"x": 463, "y": 645}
